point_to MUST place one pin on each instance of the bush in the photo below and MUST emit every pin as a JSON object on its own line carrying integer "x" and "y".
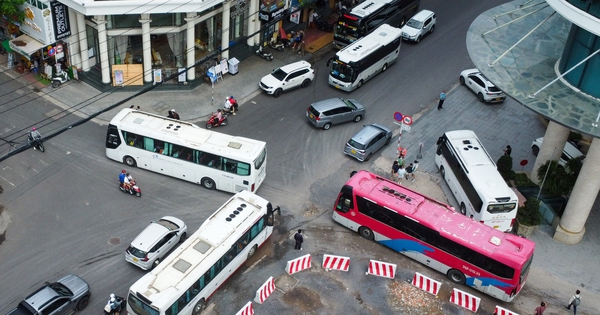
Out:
{"x": 559, "y": 180}
{"x": 504, "y": 166}
{"x": 530, "y": 214}
{"x": 523, "y": 181}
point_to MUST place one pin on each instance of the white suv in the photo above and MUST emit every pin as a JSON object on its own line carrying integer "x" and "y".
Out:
{"x": 297, "y": 74}
{"x": 419, "y": 25}
{"x": 569, "y": 152}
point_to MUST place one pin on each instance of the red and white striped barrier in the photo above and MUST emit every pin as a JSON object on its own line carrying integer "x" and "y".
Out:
{"x": 332, "y": 262}
{"x": 246, "y": 310}
{"x": 265, "y": 290}
{"x": 502, "y": 311}
{"x": 298, "y": 264}
{"x": 426, "y": 284}
{"x": 465, "y": 300}
{"x": 381, "y": 269}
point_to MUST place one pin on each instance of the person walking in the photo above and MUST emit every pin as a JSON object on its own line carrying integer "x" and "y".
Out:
{"x": 574, "y": 301}
{"x": 508, "y": 150}
{"x": 415, "y": 165}
{"x": 395, "y": 168}
{"x": 401, "y": 174}
{"x": 442, "y": 99}
{"x": 540, "y": 309}
{"x": 409, "y": 171}
{"x": 299, "y": 240}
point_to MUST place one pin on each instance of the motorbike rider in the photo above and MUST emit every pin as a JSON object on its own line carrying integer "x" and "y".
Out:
{"x": 115, "y": 306}
{"x": 218, "y": 116}
{"x": 122, "y": 176}
{"x": 34, "y": 136}
{"x": 127, "y": 181}
{"x": 231, "y": 105}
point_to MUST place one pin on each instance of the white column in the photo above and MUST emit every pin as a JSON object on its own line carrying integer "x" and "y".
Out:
{"x": 146, "y": 47}
{"x": 191, "y": 46}
{"x": 252, "y": 17}
{"x": 102, "y": 41}
{"x": 554, "y": 141}
{"x": 83, "y": 45}
{"x": 226, "y": 17}
{"x": 571, "y": 228}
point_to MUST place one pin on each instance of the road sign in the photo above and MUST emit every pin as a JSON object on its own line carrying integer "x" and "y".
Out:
{"x": 406, "y": 127}
{"x": 407, "y": 120}
{"x": 398, "y": 116}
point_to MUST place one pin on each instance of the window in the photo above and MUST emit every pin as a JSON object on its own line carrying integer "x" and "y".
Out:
{"x": 54, "y": 306}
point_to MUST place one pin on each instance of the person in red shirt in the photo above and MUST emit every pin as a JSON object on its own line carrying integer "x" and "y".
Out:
{"x": 540, "y": 309}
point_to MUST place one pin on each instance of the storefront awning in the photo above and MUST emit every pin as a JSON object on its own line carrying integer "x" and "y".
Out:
{"x": 6, "y": 45}
{"x": 25, "y": 45}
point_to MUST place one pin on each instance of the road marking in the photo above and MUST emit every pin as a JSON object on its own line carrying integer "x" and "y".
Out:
{"x": 7, "y": 181}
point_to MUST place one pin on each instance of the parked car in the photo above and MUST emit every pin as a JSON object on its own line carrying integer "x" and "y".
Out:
{"x": 367, "y": 141}
{"x": 297, "y": 74}
{"x": 155, "y": 242}
{"x": 419, "y": 25}
{"x": 325, "y": 113}
{"x": 569, "y": 151}
{"x": 485, "y": 90}
{"x": 65, "y": 296}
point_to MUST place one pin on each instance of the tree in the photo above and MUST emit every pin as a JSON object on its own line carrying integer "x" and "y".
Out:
{"x": 529, "y": 214}
{"x": 559, "y": 180}
{"x": 12, "y": 10}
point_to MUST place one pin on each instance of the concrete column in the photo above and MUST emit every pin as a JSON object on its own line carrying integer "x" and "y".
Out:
{"x": 252, "y": 17}
{"x": 257, "y": 24}
{"x": 226, "y": 17}
{"x": 102, "y": 41}
{"x": 571, "y": 228}
{"x": 83, "y": 45}
{"x": 191, "y": 46}
{"x": 146, "y": 47}
{"x": 554, "y": 142}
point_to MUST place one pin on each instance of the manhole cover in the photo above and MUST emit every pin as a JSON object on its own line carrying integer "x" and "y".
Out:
{"x": 114, "y": 241}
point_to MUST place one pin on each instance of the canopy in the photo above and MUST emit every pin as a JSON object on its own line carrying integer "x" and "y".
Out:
{"x": 25, "y": 45}
{"x": 6, "y": 45}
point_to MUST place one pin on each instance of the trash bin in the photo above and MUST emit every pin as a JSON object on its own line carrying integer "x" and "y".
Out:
{"x": 233, "y": 66}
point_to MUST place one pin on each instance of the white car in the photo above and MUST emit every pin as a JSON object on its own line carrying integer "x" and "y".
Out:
{"x": 419, "y": 25}
{"x": 297, "y": 74}
{"x": 485, "y": 90}
{"x": 155, "y": 242}
{"x": 569, "y": 151}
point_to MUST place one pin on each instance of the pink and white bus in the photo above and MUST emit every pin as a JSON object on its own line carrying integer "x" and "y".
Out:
{"x": 432, "y": 233}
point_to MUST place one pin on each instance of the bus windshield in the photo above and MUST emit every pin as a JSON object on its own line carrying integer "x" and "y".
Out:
{"x": 341, "y": 71}
{"x": 347, "y": 31}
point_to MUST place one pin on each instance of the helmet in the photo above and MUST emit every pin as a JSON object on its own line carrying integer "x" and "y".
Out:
{"x": 219, "y": 110}
{"x": 112, "y": 295}
{"x": 127, "y": 174}
{"x": 123, "y": 171}
{"x": 231, "y": 97}
{"x": 33, "y": 128}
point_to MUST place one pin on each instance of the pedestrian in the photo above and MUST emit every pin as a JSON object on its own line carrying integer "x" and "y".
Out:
{"x": 409, "y": 171}
{"x": 508, "y": 150}
{"x": 540, "y": 309}
{"x": 442, "y": 99}
{"x": 401, "y": 161}
{"x": 415, "y": 165}
{"x": 299, "y": 240}
{"x": 401, "y": 174}
{"x": 574, "y": 301}
{"x": 170, "y": 115}
{"x": 395, "y": 168}
{"x": 139, "y": 108}
{"x": 175, "y": 115}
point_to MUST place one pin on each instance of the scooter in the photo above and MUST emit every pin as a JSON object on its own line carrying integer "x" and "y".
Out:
{"x": 266, "y": 55}
{"x": 229, "y": 111}
{"x": 133, "y": 189}
{"x": 277, "y": 45}
{"x": 60, "y": 78}
{"x": 36, "y": 143}
{"x": 121, "y": 302}
{"x": 323, "y": 25}
{"x": 212, "y": 122}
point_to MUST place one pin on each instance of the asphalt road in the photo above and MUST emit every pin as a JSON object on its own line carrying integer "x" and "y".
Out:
{"x": 68, "y": 215}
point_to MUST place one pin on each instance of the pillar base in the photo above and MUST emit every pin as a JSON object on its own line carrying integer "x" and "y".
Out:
{"x": 567, "y": 237}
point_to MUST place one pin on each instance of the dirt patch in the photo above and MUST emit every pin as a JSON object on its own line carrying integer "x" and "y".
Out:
{"x": 407, "y": 299}
{"x": 302, "y": 298}
{"x": 310, "y": 211}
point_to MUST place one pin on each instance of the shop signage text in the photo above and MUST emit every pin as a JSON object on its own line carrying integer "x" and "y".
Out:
{"x": 60, "y": 15}
{"x": 270, "y": 16}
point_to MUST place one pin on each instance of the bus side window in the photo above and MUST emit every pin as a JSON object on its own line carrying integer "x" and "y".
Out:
{"x": 344, "y": 204}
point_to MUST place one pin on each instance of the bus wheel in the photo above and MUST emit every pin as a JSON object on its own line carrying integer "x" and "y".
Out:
{"x": 251, "y": 251}
{"x": 360, "y": 83}
{"x": 463, "y": 209}
{"x": 200, "y": 306}
{"x": 443, "y": 172}
{"x": 208, "y": 183}
{"x": 366, "y": 233}
{"x": 456, "y": 276}
{"x": 384, "y": 68}
{"x": 129, "y": 161}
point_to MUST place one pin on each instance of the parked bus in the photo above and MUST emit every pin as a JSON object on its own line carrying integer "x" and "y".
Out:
{"x": 186, "y": 151}
{"x": 369, "y": 15}
{"x": 355, "y": 64}
{"x": 471, "y": 174}
{"x": 433, "y": 234}
{"x": 184, "y": 280}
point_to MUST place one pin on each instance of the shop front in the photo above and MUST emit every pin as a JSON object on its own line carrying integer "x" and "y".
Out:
{"x": 270, "y": 14}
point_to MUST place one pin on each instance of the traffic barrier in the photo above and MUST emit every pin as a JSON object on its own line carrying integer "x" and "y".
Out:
{"x": 265, "y": 290}
{"x": 464, "y": 299}
{"x": 298, "y": 264}
{"x": 332, "y": 262}
{"x": 246, "y": 310}
{"x": 381, "y": 269}
{"x": 502, "y": 311}
{"x": 426, "y": 284}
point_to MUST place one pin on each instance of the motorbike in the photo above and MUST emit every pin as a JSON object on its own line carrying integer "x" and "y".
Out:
{"x": 36, "y": 143}
{"x": 121, "y": 302}
{"x": 59, "y": 78}
{"x": 277, "y": 45}
{"x": 266, "y": 55}
{"x": 323, "y": 25}
{"x": 229, "y": 110}
{"x": 212, "y": 122}
{"x": 133, "y": 189}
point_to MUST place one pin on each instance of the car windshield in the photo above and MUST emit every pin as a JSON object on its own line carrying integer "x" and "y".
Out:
{"x": 356, "y": 145}
{"x": 349, "y": 103}
{"x": 61, "y": 289}
{"x": 341, "y": 71}
{"x": 415, "y": 24}
{"x": 279, "y": 74}
{"x": 168, "y": 224}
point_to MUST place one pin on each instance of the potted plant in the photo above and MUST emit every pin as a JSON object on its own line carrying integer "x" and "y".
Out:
{"x": 528, "y": 217}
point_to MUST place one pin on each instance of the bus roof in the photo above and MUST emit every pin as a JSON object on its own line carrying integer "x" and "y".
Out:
{"x": 441, "y": 217}
{"x": 382, "y": 36}
{"x": 368, "y": 7}
{"x": 480, "y": 167}
{"x": 185, "y": 134}
{"x": 187, "y": 263}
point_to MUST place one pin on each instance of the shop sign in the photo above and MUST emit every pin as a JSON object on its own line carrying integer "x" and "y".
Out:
{"x": 268, "y": 6}
{"x": 59, "y": 52}
{"x": 270, "y": 16}
{"x": 38, "y": 24}
{"x": 60, "y": 16}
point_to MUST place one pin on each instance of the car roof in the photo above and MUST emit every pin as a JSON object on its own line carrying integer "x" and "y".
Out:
{"x": 295, "y": 66}
{"x": 328, "y": 104}
{"x": 148, "y": 237}
{"x": 368, "y": 132}
{"x": 41, "y": 297}
{"x": 422, "y": 15}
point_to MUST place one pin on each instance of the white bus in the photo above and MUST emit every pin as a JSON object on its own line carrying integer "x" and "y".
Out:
{"x": 356, "y": 63}
{"x": 471, "y": 174}
{"x": 186, "y": 151}
{"x": 183, "y": 281}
